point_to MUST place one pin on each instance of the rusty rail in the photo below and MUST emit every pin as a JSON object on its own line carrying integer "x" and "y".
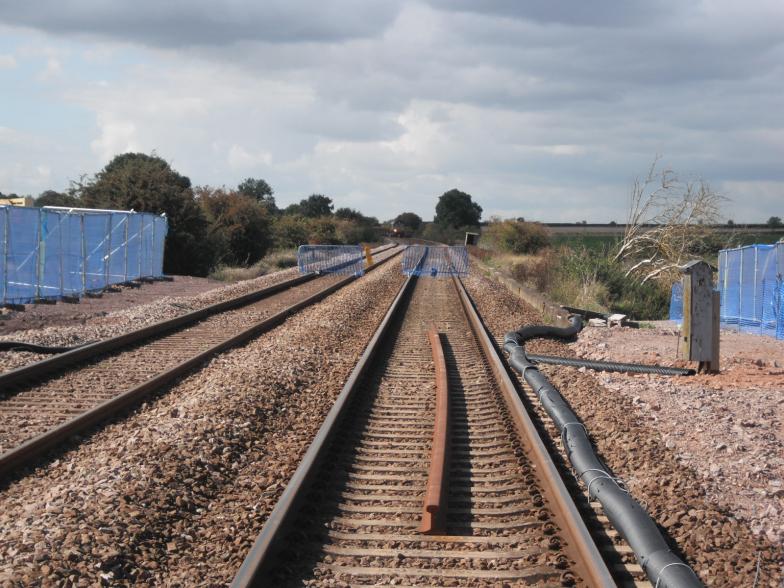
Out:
{"x": 434, "y": 509}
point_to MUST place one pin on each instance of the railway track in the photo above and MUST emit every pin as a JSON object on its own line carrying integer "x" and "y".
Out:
{"x": 44, "y": 404}
{"x": 353, "y": 511}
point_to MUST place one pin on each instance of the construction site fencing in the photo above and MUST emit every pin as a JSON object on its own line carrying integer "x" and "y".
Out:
{"x": 331, "y": 259}
{"x": 52, "y": 253}
{"x": 437, "y": 261}
{"x": 751, "y": 288}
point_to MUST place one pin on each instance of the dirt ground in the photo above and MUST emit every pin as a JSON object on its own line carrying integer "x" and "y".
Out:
{"x": 38, "y": 316}
{"x": 728, "y": 426}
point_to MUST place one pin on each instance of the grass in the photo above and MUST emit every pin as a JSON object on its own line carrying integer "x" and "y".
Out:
{"x": 272, "y": 262}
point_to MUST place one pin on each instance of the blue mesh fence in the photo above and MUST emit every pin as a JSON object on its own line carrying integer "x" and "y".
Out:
{"x": 437, "y": 261}
{"x": 51, "y": 253}
{"x": 750, "y": 286}
{"x": 331, "y": 259}
{"x": 676, "y": 302}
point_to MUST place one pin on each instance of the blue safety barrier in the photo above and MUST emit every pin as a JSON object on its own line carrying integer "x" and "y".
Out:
{"x": 750, "y": 285}
{"x": 676, "y": 302}
{"x": 437, "y": 261}
{"x": 50, "y": 253}
{"x": 331, "y": 259}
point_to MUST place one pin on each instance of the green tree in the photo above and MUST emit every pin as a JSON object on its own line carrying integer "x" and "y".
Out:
{"x": 316, "y": 205}
{"x": 408, "y": 220}
{"x": 240, "y": 226}
{"x": 774, "y": 221}
{"x": 147, "y": 183}
{"x": 457, "y": 209}
{"x": 53, "y": 198}
{"x": 260, "y": 190}
{"x": 291, "y": 230}
{"x": 349, "y": 214}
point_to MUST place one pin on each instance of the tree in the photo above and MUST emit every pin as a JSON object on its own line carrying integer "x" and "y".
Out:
{"x": 261, "y": 191}
{"x": 240, "y": 226}
{"x": 52, "y": 198}
{"x": 146, "y": 183}
{"x": 457, "y": 209}
{"x": 349, "y": 214}
{"x": 774, "y": 221}
{"x": 408, "y": 220}
{"x": 316, "y": 205}
{"x": 669, "y": 223}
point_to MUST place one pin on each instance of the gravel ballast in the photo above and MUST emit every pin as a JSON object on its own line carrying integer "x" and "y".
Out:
{"x": 122, "y": 321}
{"x": 715, "y": 537}
{"x": 175, "y": 493}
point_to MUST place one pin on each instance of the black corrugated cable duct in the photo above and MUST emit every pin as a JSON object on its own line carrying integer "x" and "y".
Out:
{"x": 610, "y": 366}
{"x": 663, "y": 568}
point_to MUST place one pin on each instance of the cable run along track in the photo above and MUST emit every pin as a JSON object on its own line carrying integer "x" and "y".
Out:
{"x": 46, "y": 403}
{"x": 351, "y": 514}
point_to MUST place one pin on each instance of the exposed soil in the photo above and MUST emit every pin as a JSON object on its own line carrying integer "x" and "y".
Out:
{"x": 662, "y": 439}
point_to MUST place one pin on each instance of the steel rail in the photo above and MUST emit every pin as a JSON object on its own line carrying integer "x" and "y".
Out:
{"x": 36, "y": 447}
{"x": 35, "y": 372}
{"x": 257, "y": 566}
{"x": 566, "y": 512}
{"x": 435, "y": 502}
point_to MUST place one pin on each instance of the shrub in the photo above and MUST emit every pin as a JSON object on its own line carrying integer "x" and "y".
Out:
{"x": 239, "y": 224}
{"x": 516, "y": 236}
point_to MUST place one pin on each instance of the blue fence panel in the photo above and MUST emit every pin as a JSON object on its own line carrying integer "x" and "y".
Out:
{"x": 73, "y": 255}
{"x": 50, "y": 253}
{"x": 339, "y": 259}
{"x": 160, "y": 230}
{"x": 438, "y": 261}
{"x": 117, "y": 247}
{"x": 21, "y": 257}
{"x": 3, "y": 225}
{"x": 729, "y": 285}
{"x": 676, "y": 302}
{"x": 134, "y": 247}
{"x": 96, "y": 237}
{"x": 780, "y": 313}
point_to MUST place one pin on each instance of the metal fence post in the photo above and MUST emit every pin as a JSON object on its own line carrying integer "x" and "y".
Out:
{"x": 125, "y": 250}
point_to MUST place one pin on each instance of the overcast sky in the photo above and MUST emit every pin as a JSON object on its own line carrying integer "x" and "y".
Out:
{"x": 541, "y": 109}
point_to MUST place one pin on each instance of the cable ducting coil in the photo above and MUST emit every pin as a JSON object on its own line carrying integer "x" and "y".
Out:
{"x": 663, "y": 568}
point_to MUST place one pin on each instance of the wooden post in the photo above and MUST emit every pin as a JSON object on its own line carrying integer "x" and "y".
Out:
{"x": 700, "y": 333}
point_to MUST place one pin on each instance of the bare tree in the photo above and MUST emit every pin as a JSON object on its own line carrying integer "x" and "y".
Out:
{"x": 669, "y": 223}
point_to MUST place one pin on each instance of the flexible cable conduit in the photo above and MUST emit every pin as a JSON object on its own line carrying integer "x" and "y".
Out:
{"x": 663, "y": 568}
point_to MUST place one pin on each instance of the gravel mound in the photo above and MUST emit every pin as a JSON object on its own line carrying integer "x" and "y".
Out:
{"x": 634, "y": 439}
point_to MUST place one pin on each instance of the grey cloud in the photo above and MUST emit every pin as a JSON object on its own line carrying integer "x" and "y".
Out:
{"x": 174, "y": 23}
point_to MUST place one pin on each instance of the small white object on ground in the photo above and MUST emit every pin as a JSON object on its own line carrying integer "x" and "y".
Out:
{"x": 597, "y": 322}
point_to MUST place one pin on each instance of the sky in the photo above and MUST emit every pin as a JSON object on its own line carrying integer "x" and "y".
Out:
{"x": 540, "y": 109}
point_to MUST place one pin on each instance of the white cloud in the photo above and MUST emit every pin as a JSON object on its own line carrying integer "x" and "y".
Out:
{"x": 7, "y": 61}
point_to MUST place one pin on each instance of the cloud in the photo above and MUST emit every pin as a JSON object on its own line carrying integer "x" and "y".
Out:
{"x": 7, "y": 61}
{"x": 538, "y": 111}
{"x": 177, "y": 23}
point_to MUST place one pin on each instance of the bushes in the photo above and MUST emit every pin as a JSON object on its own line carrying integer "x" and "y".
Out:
{"x": 240, "y": 226}
{"x": 516, "y": 236}
{"x": 594, "y": 281}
